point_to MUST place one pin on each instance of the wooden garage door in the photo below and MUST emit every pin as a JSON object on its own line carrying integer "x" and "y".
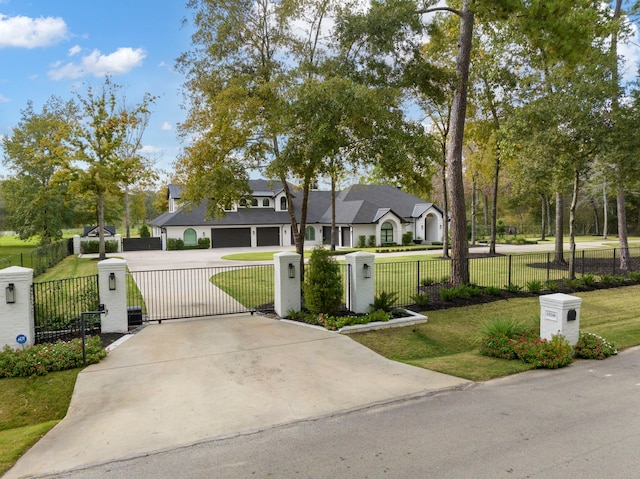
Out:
{"x": 230, "y": 237}
{"x": 269, "y": 236}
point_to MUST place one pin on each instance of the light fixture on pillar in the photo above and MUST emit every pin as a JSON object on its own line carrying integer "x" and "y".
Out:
{"x": 292, "y": 270}
{"x": 366, "y": 271}
{"x": 11, "y": 293}
{"x": 112, "y": 281}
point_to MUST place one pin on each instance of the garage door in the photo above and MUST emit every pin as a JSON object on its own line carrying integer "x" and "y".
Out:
{"x": 230, "y": 237}
{"x": 269, "y": 236}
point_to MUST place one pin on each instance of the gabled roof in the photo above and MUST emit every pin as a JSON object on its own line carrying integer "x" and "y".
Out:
{"x": 93, "y": 230}
{"x": 358, "y": 204}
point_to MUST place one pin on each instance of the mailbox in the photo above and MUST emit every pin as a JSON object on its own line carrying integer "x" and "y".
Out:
{"x": 560, "y": 314}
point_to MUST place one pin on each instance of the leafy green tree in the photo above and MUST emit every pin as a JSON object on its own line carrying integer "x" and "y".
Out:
{"x": 37, "y": 153}
{"x": 100, "y": 137}
{"x": 266, "y": 92}
{"x": 322, "y": 284}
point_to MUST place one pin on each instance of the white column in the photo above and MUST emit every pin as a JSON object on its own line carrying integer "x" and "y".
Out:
{"x": 287, "y": 283}
{"x": 560, "y": 314}
{"x": 112, "y": 284}
{"x": 16, "y": 311}
{"x": 76, "y": 245}
{"x": 118, "y": 238}
{"x": 361, "y": 281}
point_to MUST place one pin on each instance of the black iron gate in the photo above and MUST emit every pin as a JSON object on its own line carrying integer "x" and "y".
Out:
{"x": 198, "y": 292}
{"x": 58, "y": 306}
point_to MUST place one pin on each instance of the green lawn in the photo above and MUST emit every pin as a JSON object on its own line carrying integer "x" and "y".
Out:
{"x": 449, "y": 341}
{"x": 30, "y": 408}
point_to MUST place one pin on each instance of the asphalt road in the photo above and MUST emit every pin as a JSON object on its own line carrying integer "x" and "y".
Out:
{"x": 578, "y": 422}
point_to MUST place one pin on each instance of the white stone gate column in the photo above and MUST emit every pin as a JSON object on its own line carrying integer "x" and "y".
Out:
{"x": 361, "y": 281}
{"x": 112, "y": 286}
{"x": 16, "y": 310}
{"x": 286, "y": 283}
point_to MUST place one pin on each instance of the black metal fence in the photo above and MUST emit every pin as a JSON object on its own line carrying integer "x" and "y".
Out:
{"x": 198, "y": 292}
{"x": 518, "y": 271}
{"x": 42, "y": 258}
{"x": 58, "y": 306}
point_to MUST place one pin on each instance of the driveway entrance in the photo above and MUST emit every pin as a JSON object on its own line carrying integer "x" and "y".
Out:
{"x": 199, "y": 292}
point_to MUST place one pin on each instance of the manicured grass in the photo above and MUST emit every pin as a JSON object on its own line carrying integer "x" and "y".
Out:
{"x": 449, "y": 341}
{"x": 30, "y": 407}
{"x": 70, "y": 267}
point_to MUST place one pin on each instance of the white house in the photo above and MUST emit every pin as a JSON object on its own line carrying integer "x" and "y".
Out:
{"x": 378, "y": 211}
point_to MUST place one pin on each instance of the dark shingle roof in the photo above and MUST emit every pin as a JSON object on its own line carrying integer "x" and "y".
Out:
{"x": 358, "y": 204}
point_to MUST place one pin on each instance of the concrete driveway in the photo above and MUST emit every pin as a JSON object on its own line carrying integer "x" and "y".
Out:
{"x": 184, "y": 382}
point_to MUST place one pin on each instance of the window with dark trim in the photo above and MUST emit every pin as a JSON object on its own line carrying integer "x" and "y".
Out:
{"x": 386, "y": 233}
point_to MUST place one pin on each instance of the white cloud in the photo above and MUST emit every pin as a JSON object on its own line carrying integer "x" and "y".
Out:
{"x": 166, "y": 126}
{"x": 151, "y": 150}
{"x": 630, "y": 52}
{"x": 26, "y": 32}
{"x": 121, "y": 61}
{"x": 4, "y": 99}
{"x": 74, "y": 50}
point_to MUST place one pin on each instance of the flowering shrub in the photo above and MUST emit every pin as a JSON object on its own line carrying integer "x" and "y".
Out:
{"x": 498, "y": 346}
{"x": 592, "y": 346}
{"x": 542, "y": 353}
{"x": 41, "y": 359}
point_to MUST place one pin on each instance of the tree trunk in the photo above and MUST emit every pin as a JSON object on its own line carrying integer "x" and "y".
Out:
{"x": 333, "y": 212}
{"x": 485, "y": 199}
{"x": 459, "y": 244}
{"x": 445, "y": 207}
{"x": 572, "y": 225}
{"x": 494, "y": 202}
{"x": 622, "y": 230}
{"x": 605, "y": 212}
{"x": 101, "y": 250}
{"x": 549, "y": 221}
{"x": 473, "y": 211}
{"x": 544, "y": 219}
{"x": 559, "y": 253}
{"x": 127, "y": 212}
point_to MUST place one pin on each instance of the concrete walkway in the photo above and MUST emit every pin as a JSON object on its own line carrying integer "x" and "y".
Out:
{"x": 184, "y": 382}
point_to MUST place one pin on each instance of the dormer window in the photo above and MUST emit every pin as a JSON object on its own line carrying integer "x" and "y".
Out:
{"x": 283, "y": 203}
{"x": 254, "y": 202}
{"x": 243, "y": 202}
{"x": 265, "y": 202}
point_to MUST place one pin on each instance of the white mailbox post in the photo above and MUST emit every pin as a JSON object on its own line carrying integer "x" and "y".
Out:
{"x": 560, "y": 314}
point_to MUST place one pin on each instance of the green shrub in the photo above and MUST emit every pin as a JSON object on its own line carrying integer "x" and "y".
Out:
{"x": 497, "y": 346}
{"x": 588, "y": 280}
{"x": 503, "y": 326}
{"x": 421, "y": 299}
{"x": 93, "y": 246}
{"x": 572, "y": 284}
{"x": 175, "y": 244}
{"x": 144, "y": 232}
{"x": 204, "y": 243}
{"x": 362, "y": 241}
{"x": 492, "y": 291}
{"x": 611, "y": 280}
{"x": 322, "y": 286}
{"x": 427, "y": 282}
{"x": 541, "y": 353}
{"x": 384, "y": 301}
{"x": 41, "y": 359}
{"x": 592, "y": 346}
{"x": 407, "y": 238}
{"x": 372, "y": 241}
{"x": 513, "y": 288}
{"x": 551, "y": 286}
{"x": 634, "y": 276}
{"x": 534, "y": 286}
{"x": 447, "y": 294}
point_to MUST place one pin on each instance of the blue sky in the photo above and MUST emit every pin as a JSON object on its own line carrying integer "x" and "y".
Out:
{"x": 51, "y": 47}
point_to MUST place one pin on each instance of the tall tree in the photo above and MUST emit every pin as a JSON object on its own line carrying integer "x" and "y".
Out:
{"x": 37, "y": 153}
{"x": 101, "y": 135}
